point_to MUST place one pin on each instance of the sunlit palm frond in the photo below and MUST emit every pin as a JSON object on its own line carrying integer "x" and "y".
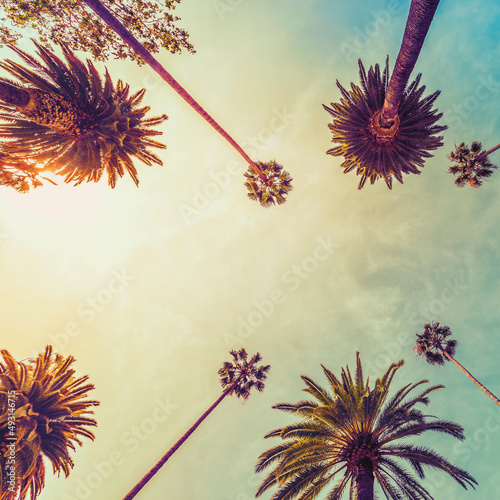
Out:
{"x": 52, "y": 413}
{"x": 76, "y": 124}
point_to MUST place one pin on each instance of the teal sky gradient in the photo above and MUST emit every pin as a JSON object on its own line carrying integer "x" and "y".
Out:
{"x": 186, "y": 267}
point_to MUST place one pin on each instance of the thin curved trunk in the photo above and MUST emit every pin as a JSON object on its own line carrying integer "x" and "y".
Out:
{"x": 128, "y": 38}
{"x": 474, "y": 379}
{"x": 419, "y": 19}
{"x": 138, "y": 487}
{"x": 364, "y": 481}
{"x": 485, "y": 154}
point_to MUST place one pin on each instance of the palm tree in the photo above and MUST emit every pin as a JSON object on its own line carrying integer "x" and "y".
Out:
{"x": 435, "y": 348}
{"x": 385, "y": 128}
{"x": 65, "y": 118}
{"x": 235, "y": 378}
{"x": 275, "y": 182}
{"x": 44, "y": 411}
{"x": 471, "y": 164}
{"x": 351, "y": 435}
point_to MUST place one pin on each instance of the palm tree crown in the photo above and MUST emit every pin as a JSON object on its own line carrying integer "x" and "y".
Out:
{"x": 434, "y": 346}
{"x": 376, "y": 152}
{"x": 65, "y": 117}
{"x": 434, "y": 343}
{"x": 352, "y": 435}
{"x": 51, "y": 415}
{"x": 242, "y": 374}
{"x": 470, "y": 165}
{"x": 384, "y": 128}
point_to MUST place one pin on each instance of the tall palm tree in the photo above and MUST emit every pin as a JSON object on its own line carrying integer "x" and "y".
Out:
{"x": 274, "y": 183}
{"x": 471, "y": 164}
{"x": 352, "y": 435}
{"x": 44, "y": 411}
{"x": 64, "y": 117}
{"x": 238, "y": 378}
{"x": 385, "y": 128}
{"x": 434, "y": 346}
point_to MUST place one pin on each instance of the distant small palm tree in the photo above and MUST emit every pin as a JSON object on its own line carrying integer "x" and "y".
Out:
{"x": 356, "y": 435}
{"x": 272, "y": 185}
{"x": 273, "y": 188}
{"x": 44, "y": 411}
{"x": 384, "y": 128}
{"x": 471, "y": 165}
{"x": 65, "y": 118}
{"x": 434, "y": 346}
{"x": 238, "y": 378}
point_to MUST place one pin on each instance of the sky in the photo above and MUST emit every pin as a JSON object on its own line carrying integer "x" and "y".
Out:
{"x": 150, "y": 287}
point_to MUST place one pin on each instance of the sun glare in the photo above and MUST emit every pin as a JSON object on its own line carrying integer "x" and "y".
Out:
{"x": 59, "y": 204}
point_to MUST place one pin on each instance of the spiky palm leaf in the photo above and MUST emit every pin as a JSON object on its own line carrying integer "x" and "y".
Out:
{"x": 273, "y": 189}
{"x": 76, "y": 124}
{"x": 51, "y": 416}
{"x": 376, "y": 152}
{"x": 351, "y": 435}
{"x": 471, "y": 165}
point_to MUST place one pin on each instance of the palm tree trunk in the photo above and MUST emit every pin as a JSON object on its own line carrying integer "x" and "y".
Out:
{"x": 474, "y": 379}
{"x": 13, "y": 95}
{"x": 128, "y": 38}
{"x": 364, "y": 480}
{"x": 138, "y": 487}
{"x": 484, "y": 155}
{"x": 419, "y": 19}
{"x": 46, "y": 108}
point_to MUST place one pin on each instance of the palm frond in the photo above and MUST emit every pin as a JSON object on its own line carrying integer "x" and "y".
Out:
{"x": 383, "y": 153}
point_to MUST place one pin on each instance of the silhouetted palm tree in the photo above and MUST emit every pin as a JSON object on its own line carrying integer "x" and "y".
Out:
{"x": 236, "y": 378}
{"x": 64, "y": 117}
{"x": 471, "y": 164}
{"x": 385, "y": 128}
{"x": 435, "y": 348}
{"x": 276, "y": 183}
{"x": 48, "y": 407}
{"x": 352, "y": 435}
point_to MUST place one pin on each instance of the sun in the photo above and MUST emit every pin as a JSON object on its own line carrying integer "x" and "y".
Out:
{"x": 61, "y": 204}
